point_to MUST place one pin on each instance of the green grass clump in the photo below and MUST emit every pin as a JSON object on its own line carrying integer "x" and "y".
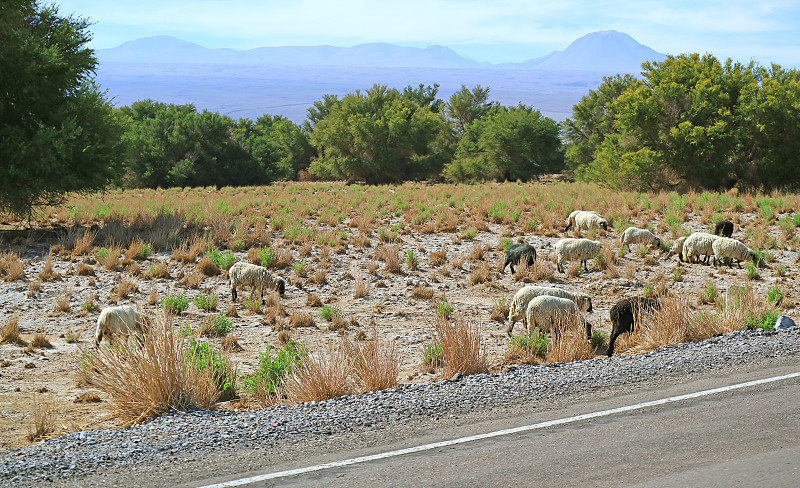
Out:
{"x": 533, "y": 343}
{"x": 222, "y": 259}
{"x": 266, "y": 257}
{"x": 433, "y": 355}
{"x": 175, "y": 304}
{"x": 765, "y": 320}
{"x": 202, "y": 357}
{"x": 206, "y": 301}
{"x": 329, "y": 312}
{"x": 273, "y": 370}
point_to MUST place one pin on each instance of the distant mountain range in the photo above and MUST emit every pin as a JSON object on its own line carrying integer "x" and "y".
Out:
{"x": 610, "y": 51}
{"x": 287, "y": 80}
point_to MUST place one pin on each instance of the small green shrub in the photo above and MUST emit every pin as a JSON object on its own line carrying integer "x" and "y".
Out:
{"x": 329, "y": 313}
{"x": 775, "y": 295}
{"x": 433, "y": 355}
{"x": 444, "y": 310}
{"x": 412, "y": 261}
{"x": 202, "y": 357}
{"x": 174, "y": 304}
{"x": 598, "y": 338}
{"x": 218, "y": 326}
{"x": 206, "y": 301}
{"x": 648, "y": 290}
{"x": 272, "y": 371}
{"x": 222, "y": 259}
{"x": 533, "y": 342}
{"x": 266, "y": 257}
{"x": 765, "y": 320}
{"x": 752, "y": 272}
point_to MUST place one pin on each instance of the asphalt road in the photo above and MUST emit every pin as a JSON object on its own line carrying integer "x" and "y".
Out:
{"x": 744, "y": 438}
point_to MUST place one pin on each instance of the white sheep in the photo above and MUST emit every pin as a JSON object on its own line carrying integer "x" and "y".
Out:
{"x": 117, "y": 322}
{"x": 696, "y": 244}
{"x": 632, "y": 235}
{"x": 548, "y": 313}
{"x": 585, "y": 220}
{"x": 570, "y": 249}
{"x": 523, "y": 296}
{"x": 677, "y": 248}
{"x": 725, "y": 247}
{"x": 255, "y": 276}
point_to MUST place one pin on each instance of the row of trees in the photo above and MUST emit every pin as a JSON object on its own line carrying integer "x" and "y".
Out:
{"x": 689, "y": 122}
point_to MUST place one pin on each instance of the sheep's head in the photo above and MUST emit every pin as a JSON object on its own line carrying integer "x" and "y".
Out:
{"x": 604, "y": 225}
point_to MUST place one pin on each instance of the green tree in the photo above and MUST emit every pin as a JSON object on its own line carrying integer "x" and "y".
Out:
{"x": 466, "y": 106}
{"x": 592, "y": 120}
{"x": 378, "y": 136}
{"x": 513, "y": 143}
{"x": 279, "y": 146}
{"x": 58, "y": 133}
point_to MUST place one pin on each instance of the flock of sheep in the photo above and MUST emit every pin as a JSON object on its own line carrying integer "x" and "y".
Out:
{"x": 545, "y": 307}
{"x": 536, "y": 306}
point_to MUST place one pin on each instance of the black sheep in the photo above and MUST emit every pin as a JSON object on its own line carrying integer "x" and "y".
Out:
{"x": 724, "y": 228}
{"x": 515, "y": 252}
{"x": 622, "y": 316}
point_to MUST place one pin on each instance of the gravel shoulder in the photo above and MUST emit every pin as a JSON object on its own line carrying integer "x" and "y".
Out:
{"x": 186, "y": 445}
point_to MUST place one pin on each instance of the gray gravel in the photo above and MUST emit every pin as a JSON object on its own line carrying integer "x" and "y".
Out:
{"x": 71, "y": 457}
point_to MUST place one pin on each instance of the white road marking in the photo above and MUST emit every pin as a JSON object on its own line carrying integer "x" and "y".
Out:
{"x": 498, "y": 433}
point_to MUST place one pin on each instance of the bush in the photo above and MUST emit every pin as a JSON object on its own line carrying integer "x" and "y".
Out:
{"x": 149, "y": 378}
{"x": 330, "y": 313}
{"x": 222, "y": 259}
{"x": 206, "y": 301}
{"x": 217, "y": 326}
{"x": 529, "y": 345}
{"x": 174, "y": 304}
{"x": 461, "y": 347}
{"x": 208, "y": 362}
{"x": 266, "y": 257}
{"x": 268, "y": 380}
{"x": 763, "y": 320}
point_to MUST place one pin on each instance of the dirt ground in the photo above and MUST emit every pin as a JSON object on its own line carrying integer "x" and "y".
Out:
{"x": 47, "y": 378}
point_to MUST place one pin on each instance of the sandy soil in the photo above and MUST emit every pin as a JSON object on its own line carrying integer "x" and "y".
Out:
{"x": 47, "y": 378}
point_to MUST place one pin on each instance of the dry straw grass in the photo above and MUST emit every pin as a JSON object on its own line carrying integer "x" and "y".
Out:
{"x": 361, "y": 288}
{"x": 40, "y": 341}
{"x": 376, "y": 364}
{"x": 44, "y": 421}
{"x": 47, "y": 273}
{"x": 568, "y": 342}
{"x": 462, "y": 350}
{"x": 321, "y": 376}
{"x": 11, "y": 268}
{"x": 9, "y": 334}
{"x": 147, "y": 378}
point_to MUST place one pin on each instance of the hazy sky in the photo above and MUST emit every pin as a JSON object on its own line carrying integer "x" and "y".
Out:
{"x": 496, "y": 31}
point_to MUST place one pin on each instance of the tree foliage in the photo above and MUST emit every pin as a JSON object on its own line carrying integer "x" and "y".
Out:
{"x": 510, "y": 144}
{"x": 468, "y": 105}
{"x": 691, "y": 122}
{"x": 58, "y": 134}
{"x": 379, "y": 136}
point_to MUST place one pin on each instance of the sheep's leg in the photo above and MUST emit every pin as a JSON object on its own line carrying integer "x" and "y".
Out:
{"x": 611, "y": 343}
{"x": 233, "y": 292}
{"x": 739, "y": 263}
{"x": 98, "y": 337}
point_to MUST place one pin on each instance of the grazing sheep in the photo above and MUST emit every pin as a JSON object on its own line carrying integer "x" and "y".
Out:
{"x": 696, "y": 244}
{"x": 584, "y": 220}
{"x": 725, "y": 247}
{"x": 523, "y": 296}
{"x": 623, "y": 315}
{"x": 116, "y": 322}
{"x": 548, "y": 312}
{"x": 724, "y": 228}
{"x": 677, "y": 248}
{"x": 632, "y": 235}
{"x": 255, "y": 276}
{"x": 515, "y": 252}
{"x": 570, "y": 249}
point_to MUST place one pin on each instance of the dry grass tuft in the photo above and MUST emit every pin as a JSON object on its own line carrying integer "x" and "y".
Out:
{"x": 569, "y": 342}
{"x": 390, "y": 255}
{"x": 500, "y": 311}
{"x": 62, "y": 302}
{"x": 313, "y": 300}
{"x": 301, "y": 319}
{"x": 83, "y": 244}
{"x": 9, "y": 334}
{"x": 84, "y": 270}
{"x": 47, "y": 273}
{"x": 462, "y": 351}
{"x": 124, "y": 289}
{"x": 40, "y": 341}
{"x": 88, "y": 397}
{"x": 159, "y": 269}
{"x": 11, "y": 268}
{"x": 422, "y": 292}
{"x": 376, "y": 364}
{"x": 362, "y": 288}
{"x": 207, "y": 266}
{"x": 671, "y": 325}
{"x": 438, "y": 258}
{"x": 150, "y": 378}
{"x": 230, "y": 343}
{"x": 44, "y": 422}
{"x": 321, "y": 376}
